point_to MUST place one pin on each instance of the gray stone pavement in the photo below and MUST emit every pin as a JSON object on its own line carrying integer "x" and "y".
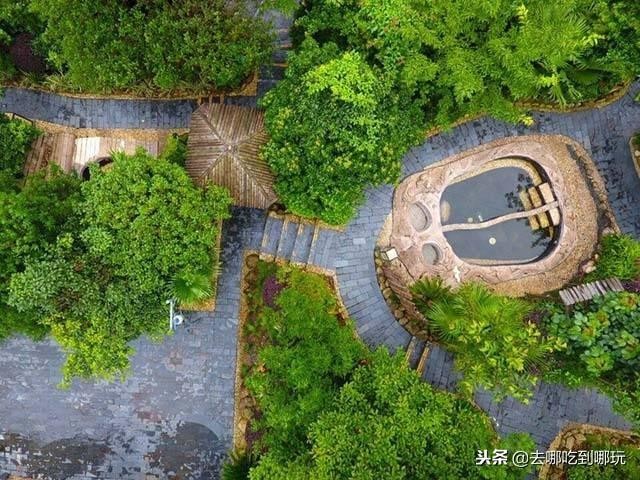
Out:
{"x": 171, "y": 418}
{"x": 605, "y": 133}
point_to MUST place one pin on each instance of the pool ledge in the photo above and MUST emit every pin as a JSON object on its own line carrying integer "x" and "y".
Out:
{"x": 579, "y": 192}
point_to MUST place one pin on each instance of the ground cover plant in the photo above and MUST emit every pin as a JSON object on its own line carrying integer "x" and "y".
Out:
{"x": 327, "y": 408}
{"x": 602, "y": 340}
{"x": 630, "y": 470}
{"x": 16, "y": 137}
{"x": 496, "y": 347}
{"x": 147, "y": 45}
{"x": 92, "y": 263}
{"x": 366, "y": 78}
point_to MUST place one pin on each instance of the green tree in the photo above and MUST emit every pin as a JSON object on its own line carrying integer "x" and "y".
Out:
{"x": 30, "y": 221}
{"x": 118, "y": 45}
{"x": 386, "y": 423}
{"x": 494, "y": 346}
{"x": 142, "y": 224}
{"x": 204, "y": 42}
{"x": 335, "y": 128}
{"x": 367, "y": 78}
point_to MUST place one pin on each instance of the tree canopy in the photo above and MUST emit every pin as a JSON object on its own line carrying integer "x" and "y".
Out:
{"x": 116, "y": 45}
{"x": 366, "y": 79}
{"x": 102, "y": 257}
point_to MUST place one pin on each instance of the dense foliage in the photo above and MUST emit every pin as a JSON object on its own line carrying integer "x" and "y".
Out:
{"x": 16, "y": 137}
{"x": 619, "y": 257}
{"x": 329, "y": 409}
{"x": 110, "y": 255}
{"x": 630, "y": 470}
{"x": 193, "y": 44}
{"x": 495, "y": 346}
{"x": 336, "y": 125}
{"x": 604, "y": 334}
{"x": 386, "y": 423}
{"x": 367, "y": 77}
{"x": 308, "y": 354}
{"x": 30, "y": 221}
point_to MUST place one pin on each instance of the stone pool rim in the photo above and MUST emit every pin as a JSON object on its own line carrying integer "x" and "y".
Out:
{"x": 577, "y": 187}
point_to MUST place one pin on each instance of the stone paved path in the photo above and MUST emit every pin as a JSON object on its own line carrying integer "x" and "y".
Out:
{"x": 605, "y": 134}
{"x": 174, "y": 413}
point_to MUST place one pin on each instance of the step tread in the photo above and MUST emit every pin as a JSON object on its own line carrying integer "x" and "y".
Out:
{"x": 546, "y": 192}
{"x": 543, "y": 220}
{"x": 272, "y": 233}
{"x": 288, "y": 239}
{"x": 303, "y": 243}
{"x": 422, "y": 362}
{"x": 534, "y": 195}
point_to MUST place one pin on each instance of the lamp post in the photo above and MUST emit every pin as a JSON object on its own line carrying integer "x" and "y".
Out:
{"x": 175, "y": 319}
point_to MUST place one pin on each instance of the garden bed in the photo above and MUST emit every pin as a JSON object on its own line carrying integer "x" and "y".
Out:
{"x": 260, "y": 287}
{"x": 209, "y": 304}
{"x": 580, "y": 437}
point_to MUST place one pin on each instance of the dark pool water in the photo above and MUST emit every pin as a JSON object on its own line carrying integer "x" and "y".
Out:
{"x": 489, "y": 195}
{"x": 514, "y": 242}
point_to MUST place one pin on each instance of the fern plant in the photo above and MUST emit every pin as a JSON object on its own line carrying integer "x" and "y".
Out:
{"x": 494, "y": 347}
{"x": 192, "y": 287}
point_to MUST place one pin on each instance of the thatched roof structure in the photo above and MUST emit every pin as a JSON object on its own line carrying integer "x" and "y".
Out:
{"x": 223, "y": 147}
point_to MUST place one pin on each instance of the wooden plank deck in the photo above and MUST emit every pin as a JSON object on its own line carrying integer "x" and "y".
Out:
{"x": 51, "y": 149}
{"x": 587, "y": 291}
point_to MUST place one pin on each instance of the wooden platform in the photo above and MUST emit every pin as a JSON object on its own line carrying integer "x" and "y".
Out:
{"x": 71, "y": 153}
{"x": 587, "y": 291}
{"x": 49, "y": 149}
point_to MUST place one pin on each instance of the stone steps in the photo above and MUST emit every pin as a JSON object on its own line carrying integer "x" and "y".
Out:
{"x": 535, "y": 197}
{"x": 290, "y": 239}
{"x": 417, "y": 354}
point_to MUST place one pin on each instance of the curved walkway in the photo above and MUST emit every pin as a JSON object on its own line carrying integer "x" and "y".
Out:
{"x": 605, "y": 134}
{"x": 173, "y": 415}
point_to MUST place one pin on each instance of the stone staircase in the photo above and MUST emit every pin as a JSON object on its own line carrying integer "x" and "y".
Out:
{"x": 290, "y": 239}
{"x": 538, "y": 196}
{"x": 417, "y": 354}
{"x": 270, "y": 75}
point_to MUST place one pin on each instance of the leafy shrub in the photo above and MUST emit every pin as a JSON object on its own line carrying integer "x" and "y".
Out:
{"x": 604, "y": 334}
{"x": 428, "y": 291}
{"x": 494, "y": 347}
{"x": 192, "y": 287}
{"x": 16, "y": 137}
{"x": 386, "y": 423}
{"x": 30, "y": 221}
{"x": 367, "y": 78}
{"x": 142, "y": 224}
{"x": 619, "y": 257}
{"x": 630, "y": 470}
{"x": 204, "y": 42}
{"x": 308, "y": 354}
{"x": 117, "y": 45}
